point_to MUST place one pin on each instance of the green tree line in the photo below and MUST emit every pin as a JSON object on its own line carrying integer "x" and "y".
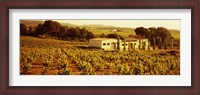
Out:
{"x": 159, "y": 37}
{"x": 53, "y": 29}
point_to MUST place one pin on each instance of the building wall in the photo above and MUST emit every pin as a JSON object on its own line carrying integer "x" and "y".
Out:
{"x": 122, "y": 46}
{"x": 141, "y": 44}
{"x": 135, "y": 45}
{"x": 144, "y": 44}
{"x": 95, "y": 43}
{"x": 103, "y": 44}
{"x": 106, "y": 44}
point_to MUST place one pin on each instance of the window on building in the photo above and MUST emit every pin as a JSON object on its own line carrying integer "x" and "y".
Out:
{"x": 122, "y": 44}
{"x": 126, "y": 44}
{"x": 108, "y": 43}
{"x": 104, "y": 44}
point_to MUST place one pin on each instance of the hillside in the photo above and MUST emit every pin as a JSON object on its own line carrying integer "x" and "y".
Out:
{"x": 90, "y": 26}
{"x": 99, "y": 29}
{"x": 175, "y": 33}
{"x": 55, "y": 57}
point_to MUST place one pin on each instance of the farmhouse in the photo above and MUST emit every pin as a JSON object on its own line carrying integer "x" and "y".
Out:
{"x": 104, "y": 43}
{"x": 111, "y": 44}
{"x": 137, "y": 43}
{"x": 133, "y": 43}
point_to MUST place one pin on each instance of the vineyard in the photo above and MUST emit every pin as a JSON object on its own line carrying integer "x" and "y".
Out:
{"x": 53, "y": 57}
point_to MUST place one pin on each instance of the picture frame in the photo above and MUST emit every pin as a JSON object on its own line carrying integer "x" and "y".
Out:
{"x": 99, "y": 4}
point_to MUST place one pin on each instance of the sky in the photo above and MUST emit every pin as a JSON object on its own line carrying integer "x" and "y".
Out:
{"x": 169, "y": 24}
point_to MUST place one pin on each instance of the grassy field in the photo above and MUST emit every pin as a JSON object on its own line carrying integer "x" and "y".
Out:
{"x": 175, "y": 34}
{"x": 54, "y": 57}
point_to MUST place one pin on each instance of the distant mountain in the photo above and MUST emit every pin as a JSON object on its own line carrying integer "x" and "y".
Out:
{"x": 106, "y": 27}
{"x": 69, "y": 25}
{"x": 96, "y": 26}
{"x": 89, "y": 26}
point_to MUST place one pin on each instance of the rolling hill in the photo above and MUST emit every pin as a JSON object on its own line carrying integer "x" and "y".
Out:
{"x": 98, "y": 29}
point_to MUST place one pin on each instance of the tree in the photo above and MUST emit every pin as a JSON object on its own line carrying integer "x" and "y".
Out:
{"x": 154, "y": 43}
{"x": 140, "y": 44}
{"x": 141, "y": 31}
{"x": 149, "y": 44}
{"x": 76, "y": 33}
{"x": 39, "y": 30}
{"x": 131, "y": 35}
{"x": 30, "y": 29}
{"x": 112, "y": 35}
{"x": 159, "y": 40}
{"x": 49, "y": 27}
{"x": 62, "y": 32}
{"x": 166, "y": 43}
{"x": 152, "y": 34}
{"x": 23, "y": 30}
{"x": 163, "y": 33}
{"x": 53, "y": 29}
{"x": 172, "y": 42}
{"x": 89, "y": 35}
{"x": 124, "y": 45}
{"x": 115, "y": 35}
{"x": 83, "y": 33}
{"x": 118, "y": 43}
{"x": 103, "y": 36}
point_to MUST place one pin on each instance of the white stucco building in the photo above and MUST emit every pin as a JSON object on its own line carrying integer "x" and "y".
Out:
{"x": 138, "y": 43}
{"x": 110, "y": 44}
{"x": 133, "y": 43}
{"x": 103, "y": 43}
